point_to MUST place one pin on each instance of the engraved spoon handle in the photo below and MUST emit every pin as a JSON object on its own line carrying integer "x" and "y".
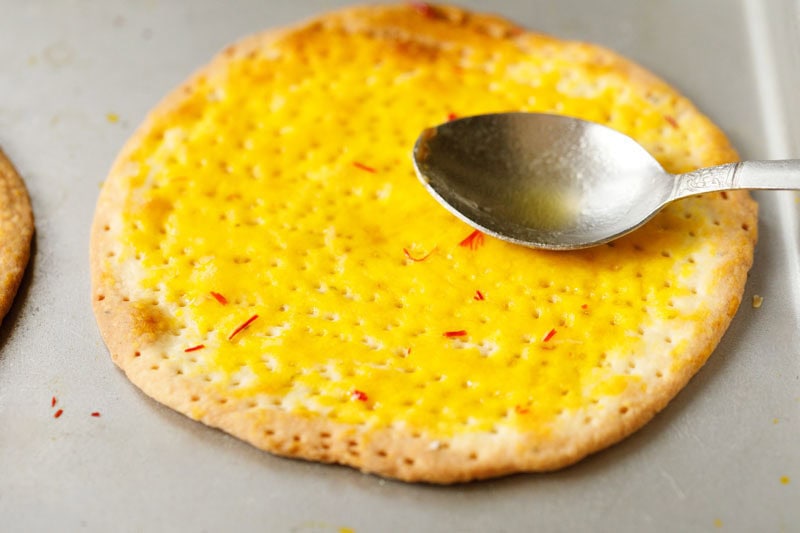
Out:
{"x": 778, "y": 174}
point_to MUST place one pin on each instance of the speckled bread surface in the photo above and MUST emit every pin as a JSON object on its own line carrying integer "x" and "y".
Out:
{"x": 265, "y": 261}
{"x": 16, "y": 232}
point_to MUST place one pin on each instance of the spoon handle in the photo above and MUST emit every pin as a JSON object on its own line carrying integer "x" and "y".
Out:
{"x": 778, "y": 174}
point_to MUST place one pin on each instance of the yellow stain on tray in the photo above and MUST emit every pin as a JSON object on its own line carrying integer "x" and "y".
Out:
{"x": 112, "y": 118}
{"x": 300, "y": 210}
{"x": 785, "y": 480}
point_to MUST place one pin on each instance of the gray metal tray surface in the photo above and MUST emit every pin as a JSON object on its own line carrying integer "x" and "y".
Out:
{"x": 77, "y": 76}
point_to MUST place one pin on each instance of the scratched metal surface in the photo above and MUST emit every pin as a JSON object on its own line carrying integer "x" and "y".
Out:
{"x": 724, "y": 454}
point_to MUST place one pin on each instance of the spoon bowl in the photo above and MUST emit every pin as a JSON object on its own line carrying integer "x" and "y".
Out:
{"x": 561, "y": 183}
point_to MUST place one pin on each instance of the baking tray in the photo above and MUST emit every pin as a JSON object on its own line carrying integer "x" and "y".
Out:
{"x": 77, "y": 76}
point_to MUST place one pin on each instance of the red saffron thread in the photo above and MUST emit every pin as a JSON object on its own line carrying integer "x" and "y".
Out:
{"x": 479, "y": 296}
{"x": 243, "y": 326}
{"x": 359, "y": 395}
{"x": 424, "y": 8}
{"x": 58, "y": 413}
{"x": 53, "y": 402}
{"x": 521, "y": 410}
{"x": 418, "y": 259}
{"x": 549, "y": 335}
{"x": 195, "y": 348}
{"x": 585, "y": 306}
{"x": 458, "y": 333}
{"x": 451, "y": 117}
{"x": 473, "y": 240}
{"x": 364, "y": 167}
{"x": 96, "y": 414}
{"x": 220, "y": 298}
{"x": 671, "y": 120}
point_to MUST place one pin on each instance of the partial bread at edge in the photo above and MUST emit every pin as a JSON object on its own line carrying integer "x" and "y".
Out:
{"x": 16, "y": 231}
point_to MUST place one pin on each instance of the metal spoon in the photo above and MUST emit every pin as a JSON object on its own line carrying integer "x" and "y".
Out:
{"x": 561, "y": 183}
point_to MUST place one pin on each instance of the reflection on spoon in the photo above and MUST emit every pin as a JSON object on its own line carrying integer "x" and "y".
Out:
{"x": 560, "y": 183}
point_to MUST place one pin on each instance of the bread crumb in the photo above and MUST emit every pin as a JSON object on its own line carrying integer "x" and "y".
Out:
{"x": 757, "y": 301}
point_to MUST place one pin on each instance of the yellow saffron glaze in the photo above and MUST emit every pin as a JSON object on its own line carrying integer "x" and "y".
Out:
{"x": 283, "y": 182}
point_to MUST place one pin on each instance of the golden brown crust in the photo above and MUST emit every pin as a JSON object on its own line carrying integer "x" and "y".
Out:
{"x": 16, "y": 231}
{"x": 133, "y": 333}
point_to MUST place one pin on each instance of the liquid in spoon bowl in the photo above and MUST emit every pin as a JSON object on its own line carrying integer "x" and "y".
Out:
{"x": 542, "y": 207}
{"x": 545, "y": 181}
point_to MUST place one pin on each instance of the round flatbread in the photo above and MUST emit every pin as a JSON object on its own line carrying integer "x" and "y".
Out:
{"x": 265, "y": 261}
{"x": 16, "y": 231}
